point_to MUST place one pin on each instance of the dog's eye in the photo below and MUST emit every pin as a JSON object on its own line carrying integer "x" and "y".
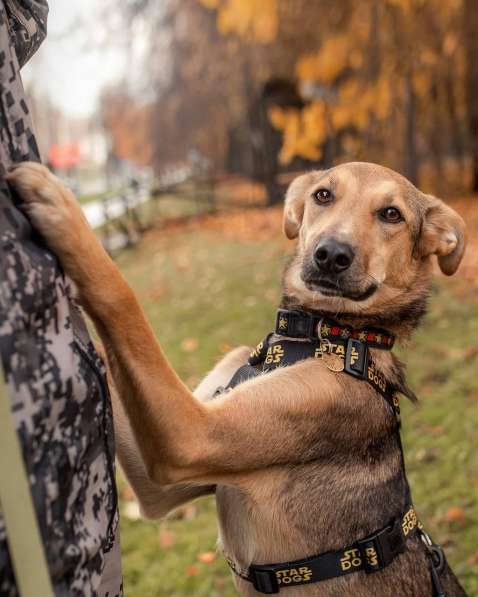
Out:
{"x": 323, "y": 196}
{"x": 391, "y": 215}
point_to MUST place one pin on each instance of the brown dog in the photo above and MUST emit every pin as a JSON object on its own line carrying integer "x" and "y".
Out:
{"x": 305, "y": 459}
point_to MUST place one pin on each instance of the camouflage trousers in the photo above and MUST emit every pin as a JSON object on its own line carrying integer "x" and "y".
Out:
{"x": 62, "y": 412}
{"x": 59, "y": 399}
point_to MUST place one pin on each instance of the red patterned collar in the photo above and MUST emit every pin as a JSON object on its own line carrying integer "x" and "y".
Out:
{"x": 299, "y": 324}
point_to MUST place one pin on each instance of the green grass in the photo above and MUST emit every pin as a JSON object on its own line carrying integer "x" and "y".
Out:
{"x": 202, "y": 287}
{"x": 98, "y": 196}
{"x": 184, "y": 205}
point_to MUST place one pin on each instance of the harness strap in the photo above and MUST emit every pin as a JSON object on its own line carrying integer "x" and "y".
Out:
{"x": 343, "y": 349}
{"x": 370, "y": 554}
{"x": 243, "y": 374}
{"x": 352, "y": 357}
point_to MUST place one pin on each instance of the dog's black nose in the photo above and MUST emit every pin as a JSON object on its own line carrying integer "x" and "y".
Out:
{"x": 332, "y": 256}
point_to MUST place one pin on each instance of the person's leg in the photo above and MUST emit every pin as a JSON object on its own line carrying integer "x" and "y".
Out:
{"x": 60, "y": 407}
{"x": 60, "y": 402}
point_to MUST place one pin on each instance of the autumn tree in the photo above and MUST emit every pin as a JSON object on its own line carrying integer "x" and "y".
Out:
{"x": 377, "y": 80}
{"x": 470, "y": 26}
{"x": 383, "y": 81}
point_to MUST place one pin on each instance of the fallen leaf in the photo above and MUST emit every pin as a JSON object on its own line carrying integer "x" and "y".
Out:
{"x": 207, "y": 557}
{"x": 192, "y": 570}
{"x": 166, "y": 538}
{"x": 454, "y": 514}
{"x": 471, "y": 352}
{"x": 225, "y": 347}
{"x": 189, "y": 344}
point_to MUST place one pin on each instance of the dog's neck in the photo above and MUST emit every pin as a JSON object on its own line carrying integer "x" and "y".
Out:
{"x": 401, "y": 321}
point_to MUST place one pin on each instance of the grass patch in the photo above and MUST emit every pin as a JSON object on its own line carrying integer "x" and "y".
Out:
{"x": 99, "y": 196}
{"x": 205, "y": 292}
{"x": 182, "y": 205}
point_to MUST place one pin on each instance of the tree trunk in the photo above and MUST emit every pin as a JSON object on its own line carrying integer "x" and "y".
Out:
{"x": 471, "y": 50}
{"x": 411, "y": 157}
{"x": 456, "y": 130}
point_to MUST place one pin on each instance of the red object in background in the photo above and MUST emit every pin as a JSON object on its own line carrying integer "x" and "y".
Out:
{"x": 64, "y": 156}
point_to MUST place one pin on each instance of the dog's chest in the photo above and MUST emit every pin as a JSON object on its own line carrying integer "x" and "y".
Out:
{"x": 258, "y": 521}
{"x": 288, "y": 513}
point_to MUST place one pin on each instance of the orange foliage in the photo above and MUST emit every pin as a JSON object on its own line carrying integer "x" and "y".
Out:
{"x": 356, "y": 96}
{"x": 360, "y": 63}
{"x": 325, "y": 65}
{"x": 384, "y": 78}
{"x": 257, "y": 19}
{"x": 356, "y": 102}
{"x": 304, "y": 131}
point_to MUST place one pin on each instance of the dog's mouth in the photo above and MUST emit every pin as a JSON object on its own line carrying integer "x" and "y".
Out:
{"x": 330, "y": 287}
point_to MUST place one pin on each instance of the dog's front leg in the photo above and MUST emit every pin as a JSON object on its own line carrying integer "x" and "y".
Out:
{"x": 261, "y": 423}
{"x": 156, "y": 501}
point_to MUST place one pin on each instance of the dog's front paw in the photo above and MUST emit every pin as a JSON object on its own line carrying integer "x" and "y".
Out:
{"x": 50, "y": 205}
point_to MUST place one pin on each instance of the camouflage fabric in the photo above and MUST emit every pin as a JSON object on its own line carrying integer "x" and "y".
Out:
{"x": 60, "y": 402}
{"x": 27, "y": 26}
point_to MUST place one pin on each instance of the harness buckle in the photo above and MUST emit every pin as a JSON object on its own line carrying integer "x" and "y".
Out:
{"x": 378, "y": 550}
{"x": 356, "y": 358}
{"x": 264, "y": 579}
{"x": 290, "y": 323}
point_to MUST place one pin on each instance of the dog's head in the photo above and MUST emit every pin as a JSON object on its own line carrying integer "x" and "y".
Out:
{"x": 366, "y": 239}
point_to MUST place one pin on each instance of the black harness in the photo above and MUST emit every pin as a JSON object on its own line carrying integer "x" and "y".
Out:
{"x": 346, "y": 349}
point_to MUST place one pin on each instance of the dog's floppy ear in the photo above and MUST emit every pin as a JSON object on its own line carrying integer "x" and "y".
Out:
{"x": 443, "y": 234}
{"x": 294, "y": 205}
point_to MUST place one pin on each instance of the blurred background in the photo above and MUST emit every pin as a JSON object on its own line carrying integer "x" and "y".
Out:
{"x": 179, "y": 125}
